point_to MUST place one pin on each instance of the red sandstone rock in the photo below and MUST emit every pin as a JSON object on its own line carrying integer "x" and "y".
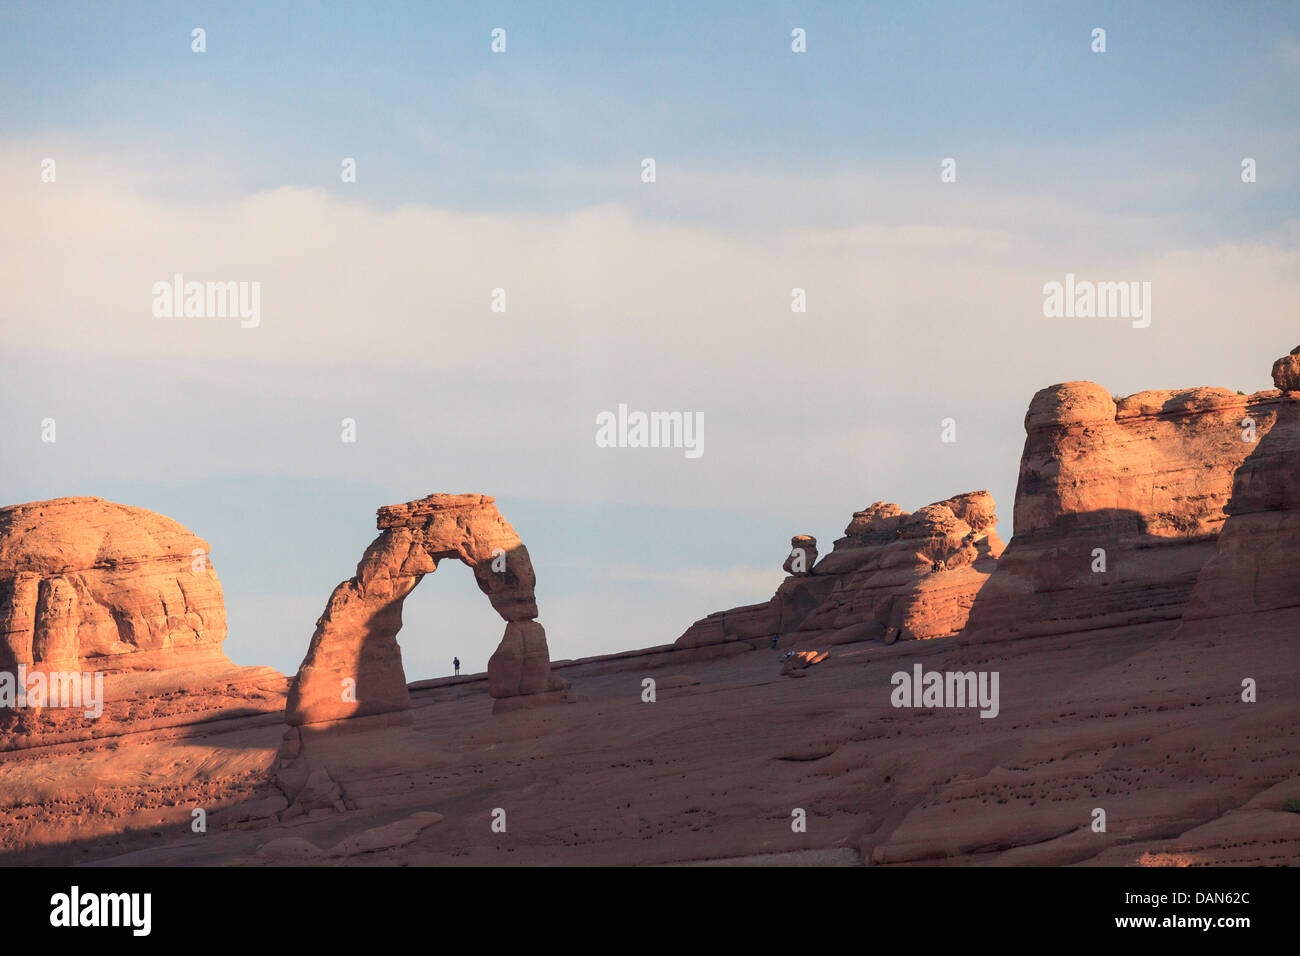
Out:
{"x": 914, "y": 573}
{"x": 91, "y": 587}
{"x": 84, "y": 580}
{"x": 1253, "y": 578}
{"x": 522, "y": 663}
{"x": 803, "y": 555}
{"x": 796, "y": 662}
{"x": 1145, "y": 480}
{"x": 1152, "y": 729}
{"x": 1286, "y": 371}
{"x": 356, "y": 637}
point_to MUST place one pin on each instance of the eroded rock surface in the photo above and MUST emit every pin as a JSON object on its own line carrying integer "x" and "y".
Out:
{"x": 1253, "y": 578}
{"x": 353, "y": 666}
{"x": 1286, "y": 371}
{"x": 893, "y": 574}
{"x": 89, "y": 587}
{"x": 1118, "y": 507}
{"x": 84, "y": 579}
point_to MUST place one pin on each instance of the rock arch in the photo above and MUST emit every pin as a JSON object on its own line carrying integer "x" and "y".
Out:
{"x": 356, "y": 637}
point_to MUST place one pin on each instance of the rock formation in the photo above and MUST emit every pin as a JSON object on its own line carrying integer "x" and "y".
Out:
{"x": 893, "y": 574}
{"x": 1253, "y": 579}
{"x": 86, "y": 580}
{"x": 803, "y": 555}
{"x": 353, "y": 666}
{"x": 1151, "y": 722}
{"x": 1286, "y": 371}
{"x": 88, "y": 586}
{"x": 1118, "y": 507}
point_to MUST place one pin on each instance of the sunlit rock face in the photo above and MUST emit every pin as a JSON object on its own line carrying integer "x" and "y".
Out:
{"x": 1254, "y": 576}
{"x": 1118, "y": 507}
{"x": 353, "y": 666}
{"x": 112, "y": 620}
{"x": 894, "y": 575}
{"x": 87, "y": 581}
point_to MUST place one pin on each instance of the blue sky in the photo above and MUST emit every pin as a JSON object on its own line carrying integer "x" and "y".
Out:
{"x": 414, "y": 93}
{"x": 521, "y": 170}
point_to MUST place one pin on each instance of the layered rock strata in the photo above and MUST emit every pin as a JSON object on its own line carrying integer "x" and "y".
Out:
{"x": 1253, "y": 579}
{"x": 111, "y": 614}
{"x": 1118, "y": 507}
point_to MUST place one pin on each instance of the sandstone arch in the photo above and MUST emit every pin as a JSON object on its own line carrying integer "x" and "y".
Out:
{"x": 356, "y": 637}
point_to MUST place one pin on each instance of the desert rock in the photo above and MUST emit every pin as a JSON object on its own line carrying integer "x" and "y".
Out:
{"x": 1118, "y": 507}
{"x": 803, "y": 555}
{"x": 353, "y": 666}
{"x": 1286, "y": 371}
{"x": 90, "y": 587}
{"x": 893, "y": 573}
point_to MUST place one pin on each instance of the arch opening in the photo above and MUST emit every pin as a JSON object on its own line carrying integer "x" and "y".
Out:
{"x": 353, "y": 665}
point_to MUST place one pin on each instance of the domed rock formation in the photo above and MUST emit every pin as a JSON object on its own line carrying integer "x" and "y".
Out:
{"x": 1118, "y": 507}
{"x": 87, "y": 581}
{"x": 118, "y": 601}
{"x": 892, "y": 574}
{"x": 353, "y": 666}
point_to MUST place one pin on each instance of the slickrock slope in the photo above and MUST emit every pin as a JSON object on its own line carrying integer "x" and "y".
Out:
{"x": 1141, "y": 485}
{"x": 893, "y": 576}
{"x": 353, "y": 666}
{"x": 88, "y": 586}
{"x": 1152, "y": 731}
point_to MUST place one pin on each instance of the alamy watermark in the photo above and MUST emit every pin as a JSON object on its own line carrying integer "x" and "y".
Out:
{"x": 53, "y": 689}
{"x": 75, "y": 908}
{"x": 1098, "y": 300}
{"x": 208, "y": 300}
{"x": 626, "y": 429}
{"x": 946, "y": 689}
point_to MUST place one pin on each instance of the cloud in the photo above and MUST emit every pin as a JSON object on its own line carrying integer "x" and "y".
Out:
{"x": 385, "y": 315}
{"x": 740, "y": 581}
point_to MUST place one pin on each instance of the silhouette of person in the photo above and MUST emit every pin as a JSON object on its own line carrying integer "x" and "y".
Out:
{"x": 455, "y": 662}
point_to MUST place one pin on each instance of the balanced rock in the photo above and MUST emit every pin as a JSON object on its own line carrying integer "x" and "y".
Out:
{"x": 1286, "y": 371}
{"x": 803, "y": 555}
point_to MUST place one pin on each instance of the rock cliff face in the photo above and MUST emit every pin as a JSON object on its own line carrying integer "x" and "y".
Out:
{"x": 87, "y": 582}
{"x": 1253, "y": 579}
{"x": 353, "y": 666}
{"x": 1118, "y": 507}
{"x": 893, "y": 575}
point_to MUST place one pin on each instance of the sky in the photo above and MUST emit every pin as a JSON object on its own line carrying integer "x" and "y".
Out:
{"x": 522, "y": 171}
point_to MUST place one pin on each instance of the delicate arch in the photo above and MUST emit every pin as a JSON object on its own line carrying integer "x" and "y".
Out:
{"x": 356, "y": 637}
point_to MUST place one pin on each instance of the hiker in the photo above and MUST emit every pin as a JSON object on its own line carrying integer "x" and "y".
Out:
{"x": 775, "y": 638}
{"x": 455, "y": 662}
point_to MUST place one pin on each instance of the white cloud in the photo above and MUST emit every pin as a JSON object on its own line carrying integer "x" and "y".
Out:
{"x": 387, "y": 312}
